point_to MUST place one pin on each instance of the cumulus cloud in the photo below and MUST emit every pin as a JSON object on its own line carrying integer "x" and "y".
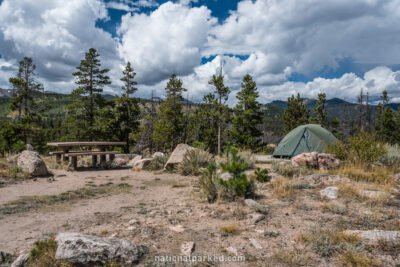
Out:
{"x": 168, "y": 40}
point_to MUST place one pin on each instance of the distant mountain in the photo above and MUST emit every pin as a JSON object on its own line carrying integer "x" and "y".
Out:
{"x": 5, "y": 93}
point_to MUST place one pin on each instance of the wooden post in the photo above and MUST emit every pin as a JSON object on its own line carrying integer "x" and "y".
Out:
{"x": 74, "y": 160}
{"x": 58, "y": 158}
{"x": 111, "y": 156}
{"x": 102, "y": 157}
{"x": 94, "y": 161}
{"x": 65, "y": 158}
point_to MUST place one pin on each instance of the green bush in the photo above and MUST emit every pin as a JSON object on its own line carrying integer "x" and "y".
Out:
{"x": 261, "y": 175}
{"x": 194, "y": 161}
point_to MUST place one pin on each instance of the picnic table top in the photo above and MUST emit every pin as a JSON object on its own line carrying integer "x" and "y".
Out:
{"x": 93, "y": 143}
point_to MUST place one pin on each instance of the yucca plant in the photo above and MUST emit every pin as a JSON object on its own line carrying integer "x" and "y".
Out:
{"x": 209, "y": 181}
{"x": 157, "y": 163}
{"x": 194, "y": 161}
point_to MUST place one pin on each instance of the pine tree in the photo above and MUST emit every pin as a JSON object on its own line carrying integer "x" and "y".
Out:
{"x": 222, "y": 93}
{"x": 386, "y": 121}
{"x": 296, "y": 113}
{"x": 169, "y": 127}
{"x": 320, "y": 110}
{"x": 85, "y": 111}
{"x": 247, "y": 116}
{"x": 23, "y": 98}
{"x": 126, "y": 109}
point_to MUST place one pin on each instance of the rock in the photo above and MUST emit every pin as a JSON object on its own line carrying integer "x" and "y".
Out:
{"x": 131, "y": 228}
{"x": 232, "y": 250}
{"x": 158, "y": 154}
{"x": 32, "y": 163}
{"x": 20, "y": 261}
{"x": 141, "y": 164}
{"x": 255, "y": 243}
{"x": 86, "y": 249}
{"x": 256, "y": 206}
{"x": 177, "y": 228}
{"x": 119, "y": 162}
{"x": 134, "y": 160}
{"x": 327, "y": 161}
{"x": 373, "y": 237}
{"x": 256, "y": 217}
{"x": 329, "y": 192}
{"x": 134, "y": 221}
{"x": 187, "y": 248}
{"x": 13, "y": 158}
{"x": 309, "y": 160}
{"x": 177, "y": 155}
{"x": 29, "y": 147}
{"x": 226, "y": 176}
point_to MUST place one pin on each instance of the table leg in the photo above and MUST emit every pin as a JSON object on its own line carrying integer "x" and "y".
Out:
{"x": 65, "y": 158}
{"x": 58, "y": 158}
{"x": 74, "y": 160}
{"x": 94, "y": 161}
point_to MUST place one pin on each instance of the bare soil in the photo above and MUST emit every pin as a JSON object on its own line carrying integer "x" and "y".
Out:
{"x": 163, "y": 210}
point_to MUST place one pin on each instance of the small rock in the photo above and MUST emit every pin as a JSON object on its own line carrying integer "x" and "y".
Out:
{"x": 226, "y": 176}
{"x": 255, "y": 243}
{"x": 119, "y": 162}
{"x": 177, "y": 228}
{"x": 329, "y": 192}
{"x": 158, "y": 154}
{"x": 20, "y": 261}
{"x": 257, "y": 217}
{"x": 256, "y": 206}
{"x": 29, "y": 147}
{"x": 134, "y": 221}
{"x": 232, "y": 250}
{"x": 187, "y": 248}
{"x": 131, "y": 228}
{"x": 373, "y": 237}
{"x": 373, "y": 194}
{"x": 86, "y": 250}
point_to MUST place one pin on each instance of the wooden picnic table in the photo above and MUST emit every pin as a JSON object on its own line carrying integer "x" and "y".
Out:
{"x": 67, "y": 146}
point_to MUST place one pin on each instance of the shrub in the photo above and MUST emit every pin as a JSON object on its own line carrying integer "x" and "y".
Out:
{"x": 157, "y": 163}
{"x": 283, "y": 188}
{"x": 392, "y": 156}
{"x": 243, "y": 156}
{"x": 43, "y": 254}
{"x": 209, "y": 182}
{"x": 352, "y": 258}
{"x": 230, "y": 229}
{"x": 261, "y": 175}
{"x": 286, "y": 169}
{"x": 194, "y": 161}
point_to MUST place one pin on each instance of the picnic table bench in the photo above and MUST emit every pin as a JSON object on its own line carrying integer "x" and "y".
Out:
{"x": 101, "y": 151}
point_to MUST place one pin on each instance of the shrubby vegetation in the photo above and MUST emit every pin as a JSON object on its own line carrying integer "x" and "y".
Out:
{"x": 194, "y": 161}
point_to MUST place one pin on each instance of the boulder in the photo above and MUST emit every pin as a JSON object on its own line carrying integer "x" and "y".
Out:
{"x": 329, "y": 192}
{"x": 31, "y": 162}
{"x": 141, "y": 164}
{"x": 158, "y": 154}
{"x": 85, "y": 249}
{"x": 309, "y": 160}
{"x": 29, "y": 147}
{"x": 263, "y": 209}
{"x": 20, "y": 261}
{"x": 327, "y": 161}
{"x": 187, "y": 248}
{"x": 374, "y": 237}
{"x": 178, "y": 155}
{"x": 134, "y": 160}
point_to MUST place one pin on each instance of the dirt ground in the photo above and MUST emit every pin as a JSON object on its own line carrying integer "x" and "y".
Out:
{"x": 163, "y": 210}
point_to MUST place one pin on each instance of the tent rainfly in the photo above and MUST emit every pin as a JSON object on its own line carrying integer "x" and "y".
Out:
{"x": 303, "y": 139}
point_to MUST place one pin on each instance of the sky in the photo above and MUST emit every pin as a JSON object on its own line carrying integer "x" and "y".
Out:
{"x": 334, "y": 46}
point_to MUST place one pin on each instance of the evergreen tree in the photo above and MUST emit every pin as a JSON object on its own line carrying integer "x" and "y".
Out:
{"x": 23, "y": 98}
{"x": 85, "y": 111}
{"x": 320, "y": 110}
{"x": 296, "y": 113}
{"x": 247, "y": 116}
{"x": 222, "y": 93}
{"x": 169, "y": 127}
{"x": 386, "y": 121}
{"x": 126, "y": 110}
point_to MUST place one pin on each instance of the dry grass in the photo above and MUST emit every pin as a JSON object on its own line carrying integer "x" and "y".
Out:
{"x": 230, "y": 229}
{"x": 283, "y": 188}
{"x": 360, "y": 173}
{"x": 178, "y": 185}
{"x": 352, "y": 258}
{"x": 329, "y": 207}
{"x": 43, "y": 255}
{"x": 294, "y": 257}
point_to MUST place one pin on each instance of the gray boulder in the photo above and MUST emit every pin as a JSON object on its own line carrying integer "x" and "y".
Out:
{"x": 178, "y": 155}
{"x": 20, "y": 261}
{"x": 86, "y": 249}
{"x": 141, "y": 164}
{"x": 134, "y": 160}
{"x": 31, "y": 162}
{"x": 263, "y": 209}
{"x": 119, "y": 162}
{"x": 374, "y": 237}
{"x": 329, "y": 192}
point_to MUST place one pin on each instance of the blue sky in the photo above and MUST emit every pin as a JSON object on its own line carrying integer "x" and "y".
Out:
{"x": 332, "y": 46}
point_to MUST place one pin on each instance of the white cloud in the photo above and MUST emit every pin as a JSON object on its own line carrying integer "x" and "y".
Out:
{"x": 121, "y": 6}
{"x": 168, "y": 40}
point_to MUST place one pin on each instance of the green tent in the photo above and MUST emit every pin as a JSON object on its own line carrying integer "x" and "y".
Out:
{"x": 304, "y": 138}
